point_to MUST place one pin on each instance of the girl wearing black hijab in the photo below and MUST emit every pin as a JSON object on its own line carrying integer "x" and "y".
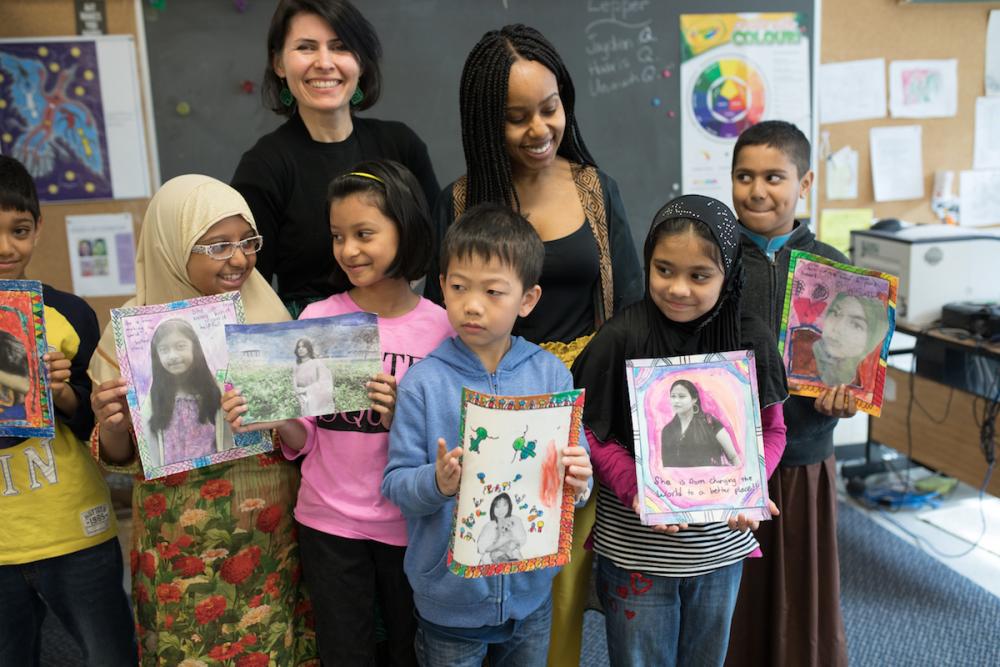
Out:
{"x": 669, "y": 591}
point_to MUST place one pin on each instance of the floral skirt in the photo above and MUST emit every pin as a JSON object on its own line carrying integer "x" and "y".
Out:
{"x": 215, "y": 567}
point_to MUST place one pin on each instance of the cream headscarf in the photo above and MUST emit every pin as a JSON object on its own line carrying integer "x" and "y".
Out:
{"x": 178, "y": 215}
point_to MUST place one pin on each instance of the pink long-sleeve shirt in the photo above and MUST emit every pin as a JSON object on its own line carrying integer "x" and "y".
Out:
{"x": 346, "y": 453}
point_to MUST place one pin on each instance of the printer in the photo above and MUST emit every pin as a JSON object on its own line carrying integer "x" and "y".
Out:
{"x": 936, "y": 265}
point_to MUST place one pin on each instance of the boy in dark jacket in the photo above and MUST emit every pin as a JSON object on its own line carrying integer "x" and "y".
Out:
{"x": 794, "y": 590}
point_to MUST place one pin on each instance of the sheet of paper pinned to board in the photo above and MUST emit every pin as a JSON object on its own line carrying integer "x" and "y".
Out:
{"x": 101, "y": 254}
{"x": 842, "y": 174}
{"x": 836, "y": 225}
{"x": 986, "y": 146}
{"x": 853, "y": 90}
{"x": 923, "y": 88}
{"x": 993, "y": 54}
{"x": 979, "y": 198}
{"x": 897, "y": 162}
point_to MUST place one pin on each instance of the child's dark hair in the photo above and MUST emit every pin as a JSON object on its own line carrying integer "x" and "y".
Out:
{"x": 777, "y": 134}
{"x": 483, "y": 102}
{"x": 353, "y": 30}
{"x": 493, "y": 231}
{"x": 391, "y": 188}
{"x": 17, "y": 189}
{"x": 163, "y": 391}
{"x": 13, "y": 359}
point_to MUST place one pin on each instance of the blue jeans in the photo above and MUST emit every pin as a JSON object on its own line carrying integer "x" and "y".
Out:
{"x": 527, "y": 645}
{"x": 84, "y": 590}
{"x": 667, "y": 621}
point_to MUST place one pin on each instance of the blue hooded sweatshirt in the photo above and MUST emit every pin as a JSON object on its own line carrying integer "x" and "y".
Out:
{"x": 428, "y": 407}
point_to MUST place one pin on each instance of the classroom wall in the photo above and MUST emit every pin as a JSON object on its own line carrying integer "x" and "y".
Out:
{"x": 859, "y": 29}
{"x": 44, "y": 18}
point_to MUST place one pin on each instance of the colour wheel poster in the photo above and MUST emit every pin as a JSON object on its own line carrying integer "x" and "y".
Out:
{"x": 737, "y": 70}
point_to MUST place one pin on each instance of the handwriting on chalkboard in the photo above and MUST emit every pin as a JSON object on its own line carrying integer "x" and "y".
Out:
{"x": 620, "y": 45}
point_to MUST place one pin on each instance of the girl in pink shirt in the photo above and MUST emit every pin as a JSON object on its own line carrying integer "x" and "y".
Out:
{"x": 352, "y": 539}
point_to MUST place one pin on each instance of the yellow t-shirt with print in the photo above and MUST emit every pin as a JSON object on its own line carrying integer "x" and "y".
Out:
{"x": 53, "y": 498}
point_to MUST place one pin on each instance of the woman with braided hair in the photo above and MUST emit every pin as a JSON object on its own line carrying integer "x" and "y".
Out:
{"x": 523, "y": 148}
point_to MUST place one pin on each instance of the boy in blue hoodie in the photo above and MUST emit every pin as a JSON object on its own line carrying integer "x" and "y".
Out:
{"x": 492, "y": 259}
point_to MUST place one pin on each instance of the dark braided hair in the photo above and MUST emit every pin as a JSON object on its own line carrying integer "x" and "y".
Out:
{"x": 483, "y": 101}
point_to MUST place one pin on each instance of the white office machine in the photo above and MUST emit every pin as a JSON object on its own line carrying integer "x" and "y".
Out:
{"x": 936, "y": 264}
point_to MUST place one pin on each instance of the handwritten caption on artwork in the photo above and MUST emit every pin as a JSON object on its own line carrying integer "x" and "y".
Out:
{"x": 699, "y": 487}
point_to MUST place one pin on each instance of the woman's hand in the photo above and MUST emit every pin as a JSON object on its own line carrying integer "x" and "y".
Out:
{"x": 382, "y": 392}
{"x": 666, "y": 530}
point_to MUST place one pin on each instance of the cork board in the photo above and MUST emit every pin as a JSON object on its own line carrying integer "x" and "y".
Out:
{"x": 50, "y": 262}
{"x": 859, "y": 29}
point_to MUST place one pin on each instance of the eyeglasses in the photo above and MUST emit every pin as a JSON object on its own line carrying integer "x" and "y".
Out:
{"x": 226, "y": 249}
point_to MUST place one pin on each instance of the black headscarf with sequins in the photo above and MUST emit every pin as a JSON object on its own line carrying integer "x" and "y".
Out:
{"x": 642, "y": 331}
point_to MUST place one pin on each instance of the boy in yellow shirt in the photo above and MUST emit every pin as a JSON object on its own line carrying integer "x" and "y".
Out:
{"x": 59, "y": 548}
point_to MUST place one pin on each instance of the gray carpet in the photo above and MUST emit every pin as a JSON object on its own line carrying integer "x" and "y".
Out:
{"x": 901, "y": 607}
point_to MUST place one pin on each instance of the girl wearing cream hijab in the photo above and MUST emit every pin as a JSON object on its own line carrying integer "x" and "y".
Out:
{"x": 214, "y": 560}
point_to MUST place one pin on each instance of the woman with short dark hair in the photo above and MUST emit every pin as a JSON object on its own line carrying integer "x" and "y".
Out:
{"x": 322, "y": 66}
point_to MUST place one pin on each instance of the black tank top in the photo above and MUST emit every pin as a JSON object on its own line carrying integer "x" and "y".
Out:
{"x": 570, "y": 276}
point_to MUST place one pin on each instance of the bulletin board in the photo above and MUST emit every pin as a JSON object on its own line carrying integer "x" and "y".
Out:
{"x": 860, "y": 29}
{"x": 50, "y": 262}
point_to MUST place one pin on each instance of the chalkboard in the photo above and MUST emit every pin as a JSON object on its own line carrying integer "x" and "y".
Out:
{"x": 622, "y": 54}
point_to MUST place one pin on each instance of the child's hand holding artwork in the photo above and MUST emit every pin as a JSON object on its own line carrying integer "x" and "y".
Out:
{"x": 63, "y": 395}
{"x": 112, "y": 417}
{"x": 576, "y": 461}
{"x": 234, "y": 406}
{"x": 382, "y": 392}
{"x": 837, "y": 402}
{"x": 665, "y": 529}
{"x": 741, "y": 523}
{"x": 447, "y": 469}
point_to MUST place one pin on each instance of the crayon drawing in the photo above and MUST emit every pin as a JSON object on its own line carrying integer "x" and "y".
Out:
{"x": 699, "y": 444}
{"x": 174, "y": 358}
{"x": 514, "y": 511}
{"x": 836, "y": 327}
{"x": 25, "y": 396}
{"x": 304, "y": 368}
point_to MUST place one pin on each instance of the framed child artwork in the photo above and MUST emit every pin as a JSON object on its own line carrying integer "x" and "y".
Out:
{"x": 836, "y": 327}
{"x": 25, "y": 396}
{"x": 174, "y": 358}
{"x": 304, "y": 368}
{"x": 699, "y": 445}
{"x": 514, "y": 511}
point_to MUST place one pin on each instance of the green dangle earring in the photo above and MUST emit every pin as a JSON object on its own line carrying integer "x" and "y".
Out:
{"x": 358, "y": 97}
{"x": 285, "y": 94}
